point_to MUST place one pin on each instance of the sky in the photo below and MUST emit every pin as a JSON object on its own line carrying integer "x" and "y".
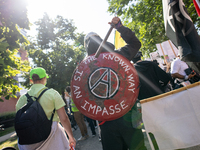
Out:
{"x": 87, "y": 15}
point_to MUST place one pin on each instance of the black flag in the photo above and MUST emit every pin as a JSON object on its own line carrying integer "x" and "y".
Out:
{"x": 181, "y": 31}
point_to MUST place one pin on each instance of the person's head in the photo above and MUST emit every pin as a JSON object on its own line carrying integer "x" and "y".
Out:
{"x": 68, "y": 89}
{"x": 137, "y": 57}
{"x": 156, "y": 62}
{"x": 92, "y": 42}
{"x": 38, "y": 75}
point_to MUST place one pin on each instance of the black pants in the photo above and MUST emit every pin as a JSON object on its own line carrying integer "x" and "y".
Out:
{"x": 91, "y": 124}
{"x": 120, "y": 135}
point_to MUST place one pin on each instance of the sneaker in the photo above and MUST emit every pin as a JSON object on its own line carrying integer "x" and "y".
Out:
{"x": 93, "y": 135}
{"x": 86, "y": 136}
{"x": 82, "y": 138}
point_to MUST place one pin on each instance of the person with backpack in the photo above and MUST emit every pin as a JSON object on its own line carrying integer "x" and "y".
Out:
{"x": 49, "y": 100}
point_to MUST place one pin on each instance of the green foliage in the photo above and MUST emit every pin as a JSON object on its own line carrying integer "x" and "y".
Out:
{"x": 57, "y": 49}
{"x": 7, "y": 116}
{"x": 145, "y": 17}
{"x": 11, "y": 65}
{"x": 12, "y": 13}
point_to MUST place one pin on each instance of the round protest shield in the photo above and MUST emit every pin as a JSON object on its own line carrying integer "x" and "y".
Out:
{"x": 105, "y": 88}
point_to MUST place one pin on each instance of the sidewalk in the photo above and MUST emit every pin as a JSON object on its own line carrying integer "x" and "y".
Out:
{"x": 5, "y": 137}
{"x": 92, "y": 143}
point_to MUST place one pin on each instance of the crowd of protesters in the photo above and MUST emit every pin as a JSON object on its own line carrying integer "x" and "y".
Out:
{"x": 121, "y": 133}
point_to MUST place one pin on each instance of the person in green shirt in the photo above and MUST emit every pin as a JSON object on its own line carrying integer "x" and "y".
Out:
{"x": 49, "y": 101}
{"x": 78, "y": 116}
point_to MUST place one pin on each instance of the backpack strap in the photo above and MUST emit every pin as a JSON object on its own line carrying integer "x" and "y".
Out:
{"x": 53, "y": 114}
{"x": 37, "y": 98}
{"x": 29, "y": 98}
{"x": 41, "y": 94}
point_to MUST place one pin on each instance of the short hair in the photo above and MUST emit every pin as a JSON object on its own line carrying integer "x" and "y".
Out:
{"x": 35, "y": 78}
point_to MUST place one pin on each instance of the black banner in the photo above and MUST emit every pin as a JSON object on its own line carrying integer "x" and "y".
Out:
{"x": 181, "y": 31}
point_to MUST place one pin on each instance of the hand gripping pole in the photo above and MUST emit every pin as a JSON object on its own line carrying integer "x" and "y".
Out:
{"x": 103, "y": 42}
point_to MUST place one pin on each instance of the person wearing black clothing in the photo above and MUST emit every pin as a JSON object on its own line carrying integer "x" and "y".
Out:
{"x": 153, "y": 79}
{"x": 118, "y": 134}
{"x": 92, "y": 126}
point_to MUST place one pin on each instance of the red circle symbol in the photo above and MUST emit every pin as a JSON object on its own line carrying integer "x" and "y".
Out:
{"x": 105, "y": 88}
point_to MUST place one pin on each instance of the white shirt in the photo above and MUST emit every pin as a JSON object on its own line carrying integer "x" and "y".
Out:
{"x": 178, "y": 66}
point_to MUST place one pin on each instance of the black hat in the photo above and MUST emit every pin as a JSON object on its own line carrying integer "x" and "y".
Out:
{"x": 137, "y": 57}
{"x": 92, "y": 41}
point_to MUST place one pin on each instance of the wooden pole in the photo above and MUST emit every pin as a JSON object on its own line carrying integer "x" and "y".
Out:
{"x": 104, "y": 41}
{"x": 170, "y": 92}
{"x": 172, "y": 49}
{"x": 163, "y": 54}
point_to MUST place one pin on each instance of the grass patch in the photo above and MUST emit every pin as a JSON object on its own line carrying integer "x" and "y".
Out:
{"x": 7, "y": 131}
{"x": 12, "y": 142}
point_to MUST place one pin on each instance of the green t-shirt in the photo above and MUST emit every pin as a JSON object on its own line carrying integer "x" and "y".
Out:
{"x": 50, "y": 99}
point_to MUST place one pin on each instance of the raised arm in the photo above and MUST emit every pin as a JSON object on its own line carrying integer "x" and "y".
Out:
{"x": 133, "y": 43}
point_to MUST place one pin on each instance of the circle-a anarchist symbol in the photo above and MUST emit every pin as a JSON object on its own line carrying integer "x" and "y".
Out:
{"x": 108, "y": 82}
{"x": 104, "y": 88}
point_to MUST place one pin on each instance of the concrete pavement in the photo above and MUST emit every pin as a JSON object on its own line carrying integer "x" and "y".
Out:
{"x": 92, "y": 143}
{"x": 5, "y": 137}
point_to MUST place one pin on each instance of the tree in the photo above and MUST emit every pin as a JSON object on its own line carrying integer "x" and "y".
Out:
{"x": 58, "y": 49}
{"x": 145, "y": 17}
{"x": 13, "y": 16}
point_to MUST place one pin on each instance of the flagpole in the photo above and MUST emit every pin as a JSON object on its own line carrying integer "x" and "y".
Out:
{"x": 172, "y": 48}
{"x": 163, "y": 54}
{"x": 170, "y": 92}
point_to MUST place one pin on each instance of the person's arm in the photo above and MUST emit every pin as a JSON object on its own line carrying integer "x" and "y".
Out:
{"x": 132, "y": 42}
{"x": 177, "y": 75}
{"x": 168, "y": 67}
{"x": 67, "y": 94}
{"x": 21, "y": 102}
{"x": 67, "y": 125}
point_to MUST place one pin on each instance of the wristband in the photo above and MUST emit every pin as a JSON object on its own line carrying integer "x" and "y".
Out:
{"x": 186, "y": 77}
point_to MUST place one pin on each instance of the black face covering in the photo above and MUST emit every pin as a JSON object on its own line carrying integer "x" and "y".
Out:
{"x": 94, "y": 43}
{"x": 136, "y": 59}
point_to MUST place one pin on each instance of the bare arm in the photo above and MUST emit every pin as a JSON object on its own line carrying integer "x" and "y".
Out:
{"x": 177, "y": 75}
{"x": 67, "y": 94}
{"x": 66, "y": 124}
